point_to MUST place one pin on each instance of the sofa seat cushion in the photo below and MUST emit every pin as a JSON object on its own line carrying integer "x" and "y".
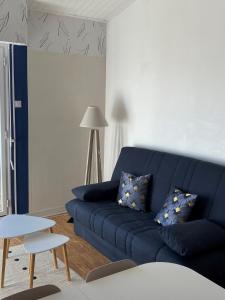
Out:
{"x": 70, "y": 207}
{"x": 130, "y": 231}
{"x": 119, "y": 229}
{"x": 146, "y": 245}
{"x": 86, "y": 212}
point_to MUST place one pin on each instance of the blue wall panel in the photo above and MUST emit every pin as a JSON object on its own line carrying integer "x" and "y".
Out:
{"x": 21, "y": 122}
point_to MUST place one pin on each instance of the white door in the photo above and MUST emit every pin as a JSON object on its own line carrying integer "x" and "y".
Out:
{"x": 4, "y": 124}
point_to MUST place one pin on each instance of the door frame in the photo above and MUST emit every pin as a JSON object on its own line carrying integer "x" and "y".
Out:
{"x": 5, "y": 180}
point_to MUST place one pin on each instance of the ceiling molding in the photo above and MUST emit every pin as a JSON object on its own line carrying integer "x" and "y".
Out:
{"x": 56, "y": 13}
{"x": 96, "y": 10}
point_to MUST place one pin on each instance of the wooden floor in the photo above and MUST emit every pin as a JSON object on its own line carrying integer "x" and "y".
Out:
{"x": 82, "y": 256}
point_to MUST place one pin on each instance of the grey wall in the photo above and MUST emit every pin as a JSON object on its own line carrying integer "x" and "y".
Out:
{"x": 60, "y": 89}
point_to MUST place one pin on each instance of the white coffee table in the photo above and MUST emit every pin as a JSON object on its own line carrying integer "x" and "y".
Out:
{"x": 41, "y": 242}
{"x": 13, "y": 226}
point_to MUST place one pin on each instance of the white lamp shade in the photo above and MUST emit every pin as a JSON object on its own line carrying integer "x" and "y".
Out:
{"x": 93, "y": 118}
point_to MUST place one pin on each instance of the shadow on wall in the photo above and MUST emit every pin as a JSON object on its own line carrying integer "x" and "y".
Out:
{"x": 120, "y": 118}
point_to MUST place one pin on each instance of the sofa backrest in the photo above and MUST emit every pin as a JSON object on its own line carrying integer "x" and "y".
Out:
{"x": 170, "y": 170}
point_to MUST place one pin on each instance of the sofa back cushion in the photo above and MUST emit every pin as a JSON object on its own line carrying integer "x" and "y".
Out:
{"x": 205, "y": 179}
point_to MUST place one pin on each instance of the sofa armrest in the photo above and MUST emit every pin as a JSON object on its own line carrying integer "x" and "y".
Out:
{"x": 193, "y": 237}
{"x": 97, "y": 192}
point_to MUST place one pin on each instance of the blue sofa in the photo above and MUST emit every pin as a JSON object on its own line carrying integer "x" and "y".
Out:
{"x": 120, "y": 232}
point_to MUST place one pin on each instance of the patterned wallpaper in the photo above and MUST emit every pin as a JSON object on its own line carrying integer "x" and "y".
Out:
{"x": 67, "y": 35}
{"x": 13, "y": 21}
{"x": 46, "y": 32}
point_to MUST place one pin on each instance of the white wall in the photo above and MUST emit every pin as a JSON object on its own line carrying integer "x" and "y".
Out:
{"x": 13, "y": 21}
{"x": 60, "y": 89}
{"x": 166, "y": 79}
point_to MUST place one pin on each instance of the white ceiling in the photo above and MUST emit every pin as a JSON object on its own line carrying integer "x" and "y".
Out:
{"x": 103, "y": 10}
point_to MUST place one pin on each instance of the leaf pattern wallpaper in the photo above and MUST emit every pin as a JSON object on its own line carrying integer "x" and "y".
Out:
{"x": 67, "y": 35}
{"x": 13, "y": 21}
{"x": 52, "y": 33}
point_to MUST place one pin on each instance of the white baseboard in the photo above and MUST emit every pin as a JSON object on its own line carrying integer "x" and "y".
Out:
{"x": 49, "y": 212}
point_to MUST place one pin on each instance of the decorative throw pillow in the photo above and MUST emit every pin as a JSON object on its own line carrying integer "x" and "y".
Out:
{"x": 133, "y": 191}
{"x": 177, "y": 208}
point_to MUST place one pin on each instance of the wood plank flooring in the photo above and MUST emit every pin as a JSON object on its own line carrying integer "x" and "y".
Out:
{"x": 82, "y": 256}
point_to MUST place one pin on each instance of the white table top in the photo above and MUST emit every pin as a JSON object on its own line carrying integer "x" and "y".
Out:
{"x": 18, "y": 225}
{"x": 156, "y": 281}
{"x": 42, "y": 241}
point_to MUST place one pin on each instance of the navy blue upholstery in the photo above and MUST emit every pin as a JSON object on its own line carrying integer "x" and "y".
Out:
{"x": 193, "y": 237}
{"x": 120, "y": 232}
{"x": 97, "y": 192}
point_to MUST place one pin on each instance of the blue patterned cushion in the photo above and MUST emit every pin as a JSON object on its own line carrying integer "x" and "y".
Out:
{"x": 177, "y": 208}
{"x": 133, "y": 191}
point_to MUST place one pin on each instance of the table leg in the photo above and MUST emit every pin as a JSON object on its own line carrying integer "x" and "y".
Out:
{"x": 55, "y": 263}
{"x": 31, "y": 268}
{"x": 8, "y": 244}
{"x": 66, "y": 262}
{"x": 4, "y": 257}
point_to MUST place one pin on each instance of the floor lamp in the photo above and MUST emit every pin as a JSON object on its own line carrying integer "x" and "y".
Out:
{"x": 94, "y": 120}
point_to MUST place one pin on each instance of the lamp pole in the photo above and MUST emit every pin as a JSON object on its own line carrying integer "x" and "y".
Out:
{"x": 89, "y": 157}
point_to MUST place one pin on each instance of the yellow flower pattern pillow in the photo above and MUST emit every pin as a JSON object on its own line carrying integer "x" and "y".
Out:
{"x": 133, "y": 191}
{"x": 177, "y": 208}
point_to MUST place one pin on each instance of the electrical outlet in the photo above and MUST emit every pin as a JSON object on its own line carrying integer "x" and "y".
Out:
{"x": 18, "y": 104}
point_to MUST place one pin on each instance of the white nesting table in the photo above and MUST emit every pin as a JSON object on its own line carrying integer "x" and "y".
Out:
{"x": 40, "y": 242}
{"x": 156, "y": 281}
{"x": 13, "y": 226}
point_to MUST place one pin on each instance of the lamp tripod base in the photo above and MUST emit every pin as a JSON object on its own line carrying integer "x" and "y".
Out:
{"x": 94, "y": 138}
